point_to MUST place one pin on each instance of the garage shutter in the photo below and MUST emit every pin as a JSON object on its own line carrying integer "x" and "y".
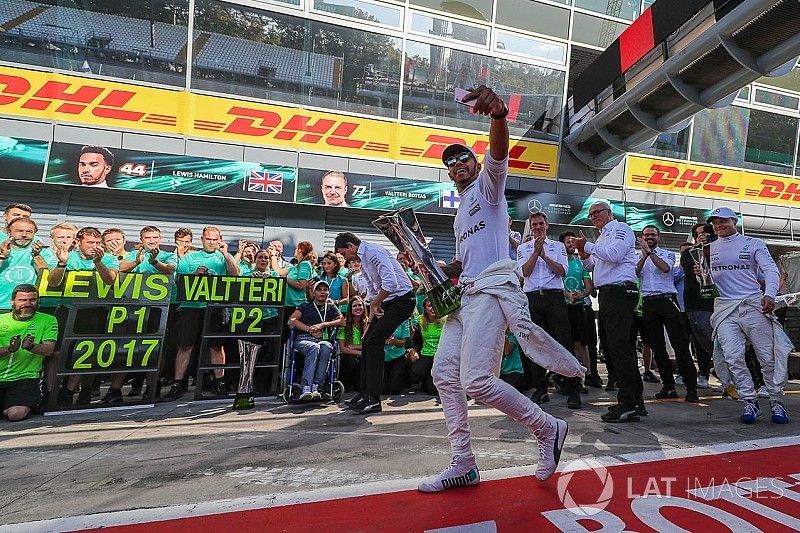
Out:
{"x": 438, "y": 230}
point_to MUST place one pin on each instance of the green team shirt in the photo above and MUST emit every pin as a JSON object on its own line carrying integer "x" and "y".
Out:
{"x": 214, "y": 262}
{"x": 145, "y": 267}
{"x": 24, "y": 364}
{"x": 392, "y": 352}
{"x": 245, "y": 268}
{"x": 356, "y": 336}
{"x": 299, "y": 272}
{"x": 430, "y": 336}
{"x": 76, "y": 262}
{"x": 576, "y": 274}
{"x": 512, "y": 363}
{"x": 19, "y": 268}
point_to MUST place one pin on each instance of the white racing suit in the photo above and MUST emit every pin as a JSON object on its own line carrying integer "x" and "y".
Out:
{"x": 471, "y": 348}
{"x": 735, "y": 322}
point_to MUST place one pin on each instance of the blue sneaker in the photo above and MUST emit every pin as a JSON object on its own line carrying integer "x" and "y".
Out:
{"x": 751, "y": 412}
{"x": 779, "y": 415}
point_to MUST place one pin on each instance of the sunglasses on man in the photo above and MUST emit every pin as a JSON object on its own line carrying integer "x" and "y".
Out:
{"x": 463, "y": 157}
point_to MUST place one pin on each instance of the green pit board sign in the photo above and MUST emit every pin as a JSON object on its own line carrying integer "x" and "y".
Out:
{"x": 110, "y": 328}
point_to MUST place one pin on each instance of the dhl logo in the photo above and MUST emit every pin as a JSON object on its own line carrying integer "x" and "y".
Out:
{"x": 774, "y": 189}
{"x": 105, "y": 103}
{"x": 689, "y": 179}
{"x": 711, "y": 182}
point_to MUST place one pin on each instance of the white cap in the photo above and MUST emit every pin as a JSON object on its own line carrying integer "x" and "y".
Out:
{"x": 722, "y": 212}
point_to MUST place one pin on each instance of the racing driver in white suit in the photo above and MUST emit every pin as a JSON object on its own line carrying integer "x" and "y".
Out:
{"x": 471, "y": 346}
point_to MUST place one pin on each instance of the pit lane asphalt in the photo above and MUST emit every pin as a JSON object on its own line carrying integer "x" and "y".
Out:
{"x": 176, "y": 453}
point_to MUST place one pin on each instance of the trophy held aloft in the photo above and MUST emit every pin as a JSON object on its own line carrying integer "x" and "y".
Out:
{"x": 403, "y": 230}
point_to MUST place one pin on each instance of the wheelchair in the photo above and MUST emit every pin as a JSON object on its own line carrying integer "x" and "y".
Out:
{"x": 331, "y": 391}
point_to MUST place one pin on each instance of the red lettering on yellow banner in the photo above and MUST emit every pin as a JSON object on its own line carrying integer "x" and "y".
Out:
{"x": 54, "y": 91}
{"x": 771, "y": 188}
{"x": 110, "y": 106}
{"x": 14, "y": 86}
{"x": 663, "y": 175}
{"x": 340, "y": 136}
{"x": 267, "y": 121}
{"x": 299, "y": 124}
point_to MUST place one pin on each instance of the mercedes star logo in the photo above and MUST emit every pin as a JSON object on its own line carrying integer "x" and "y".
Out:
{"x": 534, "y": 206}
{"x": 668, "y": 219}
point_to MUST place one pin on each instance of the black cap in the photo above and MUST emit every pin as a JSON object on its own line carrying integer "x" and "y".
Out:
{"x": 455, "y": 149}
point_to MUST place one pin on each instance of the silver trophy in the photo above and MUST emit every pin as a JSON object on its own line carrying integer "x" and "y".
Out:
{"x": 402, "y": 228}
{"x": 708, "y": 289}
{"x": 248, "y": 353}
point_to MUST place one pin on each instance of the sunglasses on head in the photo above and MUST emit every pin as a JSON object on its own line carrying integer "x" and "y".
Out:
{"x": 463, "y": 157}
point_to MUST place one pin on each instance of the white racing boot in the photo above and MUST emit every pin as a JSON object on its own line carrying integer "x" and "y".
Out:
{"x": 462, "y": 472}
{"x": 551, "y": 439}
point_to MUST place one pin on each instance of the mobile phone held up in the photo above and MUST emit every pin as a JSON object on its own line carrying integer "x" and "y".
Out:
{"x": 459, "y": 97}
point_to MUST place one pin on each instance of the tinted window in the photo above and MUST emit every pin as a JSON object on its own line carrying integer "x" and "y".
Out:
{"x": 432, "y": 72}
{"x": 443, "y": 27}
{"x": 135, "y": 39}
{"x": 357, "y": 9}
{"x": 624, "y": 9}
{"x": 595, "y": 31}
{"x": 768, "y": 139}
{"x": 280, "y": 57}
{"x": 674, "y": 145}
{"x": 474, "y": 9}
{"x": 533, "y": 16}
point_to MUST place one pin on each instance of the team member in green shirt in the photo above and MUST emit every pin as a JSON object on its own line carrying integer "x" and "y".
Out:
{"x": 26, "y": 338}
{"x": 212, "y": 259}
{"x": 430, "y": 329}
{"x": 394, "y": 358}
{"x": 89, "y": 255}
{"x": 349, "y": 336}
{"x": 511, "y": 365}
{"x": 11, "y": 212}
{"x": 22, "y": 257}
{"x": 146, "y": 258}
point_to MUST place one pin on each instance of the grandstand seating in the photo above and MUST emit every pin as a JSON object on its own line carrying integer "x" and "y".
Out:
{"x": 223, "y": 52}
{"x": 77, "y": 27}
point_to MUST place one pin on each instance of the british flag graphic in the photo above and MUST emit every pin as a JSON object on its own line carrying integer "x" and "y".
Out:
{"x": 266, "y": 182}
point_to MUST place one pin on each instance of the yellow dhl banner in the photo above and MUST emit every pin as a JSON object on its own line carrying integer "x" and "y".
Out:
{"x": 711, "y": 182}
{"x": 60, "y": 97}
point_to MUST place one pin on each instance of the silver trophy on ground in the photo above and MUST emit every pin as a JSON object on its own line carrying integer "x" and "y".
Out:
{"x": 402, "y": 228}
{"x": 708, "y": 289}
{"x": 248, "y": 353}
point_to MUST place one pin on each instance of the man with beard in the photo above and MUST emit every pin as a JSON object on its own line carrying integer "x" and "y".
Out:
{"x": 21, "y": 258}
{"x": 660, "y": 310}
{"x": 471, "y": 346}
{"x": 11, "y": 212}
{"x": 26, "y": 338}
{"x": 88, "y": 255}
{"x": 94, "y": 166}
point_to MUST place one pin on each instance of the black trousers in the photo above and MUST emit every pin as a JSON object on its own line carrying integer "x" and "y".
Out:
{"x": 395, "y": 371}
{"x": 394, "y": 312}
{"x": 549, "y": 312}
{"x": 660, "y": 313}
{"x": 591, "y": 338}
{"x": 617, "y": 305}
{"x": 420, "y": 372}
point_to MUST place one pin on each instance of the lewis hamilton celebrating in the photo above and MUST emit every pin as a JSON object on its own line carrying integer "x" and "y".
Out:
{"x": 471, "y": 345}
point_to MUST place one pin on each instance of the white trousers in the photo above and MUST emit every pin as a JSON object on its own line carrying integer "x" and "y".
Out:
{"x": 743, "y": 323}
{"x": 468, "y": 362}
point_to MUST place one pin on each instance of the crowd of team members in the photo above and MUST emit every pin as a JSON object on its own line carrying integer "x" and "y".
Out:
{"x": 23, "y": 258}
{"x": 328, "y": 294}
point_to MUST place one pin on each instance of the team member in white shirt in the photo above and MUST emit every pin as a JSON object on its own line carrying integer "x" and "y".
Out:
{"x": 391, "y": 301}
{"x": 612, "y": 259}
{"x": 660, "y": 310}
{"x": 471, "y": 345}
{"x": 544, "y": 264}
{"x": 743, "y": 312}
